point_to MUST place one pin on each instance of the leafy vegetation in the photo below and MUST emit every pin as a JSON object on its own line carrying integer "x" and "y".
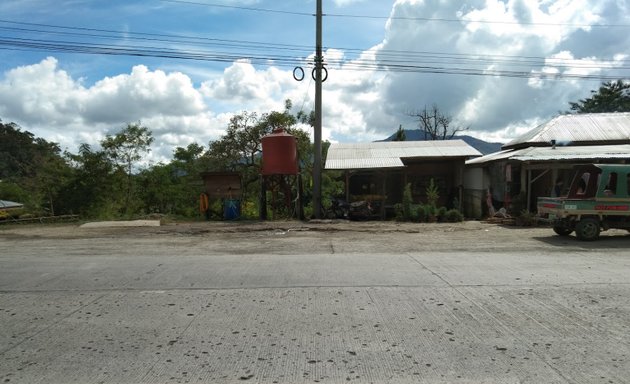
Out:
{"x": 429, "y": 212}
{"x": 108, "y": 181}
{"x": 610, "y": 97}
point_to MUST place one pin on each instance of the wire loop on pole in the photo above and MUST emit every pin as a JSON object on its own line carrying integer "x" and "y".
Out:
{"x": 300, "y": 71}
{"x": 323, "y": 78}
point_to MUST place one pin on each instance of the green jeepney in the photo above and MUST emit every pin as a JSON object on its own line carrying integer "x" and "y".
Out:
{"x": 597, "y": 201}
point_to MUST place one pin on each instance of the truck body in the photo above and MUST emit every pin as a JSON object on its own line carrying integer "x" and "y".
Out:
{"x": 597, "y": 200}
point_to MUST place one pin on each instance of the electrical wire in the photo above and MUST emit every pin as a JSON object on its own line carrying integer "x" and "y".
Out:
{"x": 405, "y": 18}
{"x": 242, "y": 8}
{"x": 32, "y": 36}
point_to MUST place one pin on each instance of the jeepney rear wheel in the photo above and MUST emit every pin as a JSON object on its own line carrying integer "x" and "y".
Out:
{"x": 587, "y": 229}
{"x": 562, "y": 229}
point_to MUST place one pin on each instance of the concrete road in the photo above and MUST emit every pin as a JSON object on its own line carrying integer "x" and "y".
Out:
{"x": 297, "y": 303}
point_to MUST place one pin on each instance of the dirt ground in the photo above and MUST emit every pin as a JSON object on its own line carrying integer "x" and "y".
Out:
{"x": 367, "y": 236}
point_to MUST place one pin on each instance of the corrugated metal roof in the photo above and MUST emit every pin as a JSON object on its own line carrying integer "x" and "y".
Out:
{"x": 596, "y": 152}
{"x": 591, "y": 152}
{"x": 588, "y": 127}
{"x": 6, "y": 204}
{"x": 390, "y": 154}
{"x": 491, "y": 157}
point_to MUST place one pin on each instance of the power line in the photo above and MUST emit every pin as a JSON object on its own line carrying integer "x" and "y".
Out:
{"x": 127, "y": 35}
{"x": 303, "y": 50}
{"x": 253, "y": 9}
{"x": 459, "y": 21}
{"x": 85, "y": 41}
{"x": 402, "y": 18}
{"x": 280, "y": 61}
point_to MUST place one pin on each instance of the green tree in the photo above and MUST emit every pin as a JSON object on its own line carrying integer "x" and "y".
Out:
{"x": 240, "y": 146}
{"x": 610, "y": 97}
{"x": 166, "y": 189}
{"x": 125, "y": 149}
{"x": 92, "y": 188}
{"x": 240, "y": 149}
{"x": 174, "y": 188}
{"x": 188, "y": 155}
{"x": 400, "y": 134}
{"x": 34, "y": 165}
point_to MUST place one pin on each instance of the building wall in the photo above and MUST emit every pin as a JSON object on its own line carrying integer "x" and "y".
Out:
{"x": 476, "y": 184}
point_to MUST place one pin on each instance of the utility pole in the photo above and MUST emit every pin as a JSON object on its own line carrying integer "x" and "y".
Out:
{"x": 317, "y": 165}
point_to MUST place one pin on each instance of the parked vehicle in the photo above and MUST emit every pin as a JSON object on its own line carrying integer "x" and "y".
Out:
{"x": 598, "y": 200}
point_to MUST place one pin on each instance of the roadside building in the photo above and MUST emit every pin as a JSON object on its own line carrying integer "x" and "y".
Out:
{"x": 541, "y": 162}
{"x": 378, "y": 172}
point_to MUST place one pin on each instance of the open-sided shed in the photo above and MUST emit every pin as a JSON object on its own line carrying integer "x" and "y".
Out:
{"x": 379, "y": 171}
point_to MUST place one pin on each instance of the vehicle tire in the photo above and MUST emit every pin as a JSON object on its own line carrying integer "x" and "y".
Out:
{"x": 562, "y": 230}
{"x": 587, "y": 229}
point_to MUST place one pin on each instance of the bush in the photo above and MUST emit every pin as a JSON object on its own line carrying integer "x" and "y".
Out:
{"x": 433, "y": 193}
{"x": 431, "y": 213}
{"x": 416, "y": 212}
{"x": 441, "y": 213}
{"x": 453, "y": 216}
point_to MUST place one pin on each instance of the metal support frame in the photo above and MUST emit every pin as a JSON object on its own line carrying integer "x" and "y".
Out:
{"x": 529, "y": 186}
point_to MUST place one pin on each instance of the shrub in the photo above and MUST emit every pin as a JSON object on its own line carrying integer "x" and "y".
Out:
{"x": 413, "y": 213}
{"x": 431, "y": 213}
{"x": 432, "y": 192}
{"x": 453, "y": 216}
{"x": 422, "y": 213}
{"x": 441, "y": 213}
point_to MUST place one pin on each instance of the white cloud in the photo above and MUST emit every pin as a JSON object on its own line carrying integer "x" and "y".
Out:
{"x": 342, "y": 3}
{"x": 545, "y": 39}
{"x": 47, "y": 101}
{"x": 243, "y": 87}
{"x": 40, "y": 93}
{"x": 511, "y": 33}
{"x": 141, "y": 94}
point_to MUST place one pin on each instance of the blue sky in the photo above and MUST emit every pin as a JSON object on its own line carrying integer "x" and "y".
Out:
{"x": 523, "y": 62}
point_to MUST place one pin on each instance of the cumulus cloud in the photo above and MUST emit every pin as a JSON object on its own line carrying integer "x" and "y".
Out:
{"x": 40, "y": 93}
{"x": 544, "y": 45}
{"x": 515, "y": 36}
{"x": 46, "y": 100}
{"x": 341, "y": 3}
{"x": 141, "y": 94}
{"x": 243, "y": 85}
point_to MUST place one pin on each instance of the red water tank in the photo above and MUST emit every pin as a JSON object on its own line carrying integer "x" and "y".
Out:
{"x": 279, "y": 154}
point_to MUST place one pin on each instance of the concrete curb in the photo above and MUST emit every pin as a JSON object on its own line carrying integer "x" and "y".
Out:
{"x": 131, "y": 223}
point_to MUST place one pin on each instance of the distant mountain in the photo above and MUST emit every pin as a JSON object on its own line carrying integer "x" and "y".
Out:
{"x": 482, "y": 146}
